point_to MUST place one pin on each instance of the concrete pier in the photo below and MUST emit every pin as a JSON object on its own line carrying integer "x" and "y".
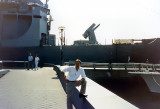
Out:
{"x": 3, "y": 72}
{"x": 98, "y": 96}
{"x": 42, "y": 89}
{"x": 23, "y": 89}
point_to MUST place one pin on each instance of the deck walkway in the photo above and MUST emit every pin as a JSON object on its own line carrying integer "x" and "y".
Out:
{"x": 23, "y": 89}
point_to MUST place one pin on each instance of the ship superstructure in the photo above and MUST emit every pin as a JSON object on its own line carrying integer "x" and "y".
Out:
{"x": 25, "y": 26}
{"x": 23, "y": 23}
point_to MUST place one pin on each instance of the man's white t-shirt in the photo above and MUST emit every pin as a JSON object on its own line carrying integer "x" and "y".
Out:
{"x": 73, "y": 74}
{"x": 36, "y": 59}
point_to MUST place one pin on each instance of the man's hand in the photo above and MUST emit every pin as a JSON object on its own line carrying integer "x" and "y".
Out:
{"x": 79, "y": 82}
{"x": 66, "y": 80}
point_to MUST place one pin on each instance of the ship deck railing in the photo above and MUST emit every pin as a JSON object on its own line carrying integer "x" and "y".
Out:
{"x": 119, "y": 66}
{"x": 2, "y": 62}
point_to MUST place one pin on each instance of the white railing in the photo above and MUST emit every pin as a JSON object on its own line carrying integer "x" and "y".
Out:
{"x": 10, "y": 61}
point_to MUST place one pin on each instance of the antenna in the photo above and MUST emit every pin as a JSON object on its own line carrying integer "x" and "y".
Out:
{"x": 47, "y": 1}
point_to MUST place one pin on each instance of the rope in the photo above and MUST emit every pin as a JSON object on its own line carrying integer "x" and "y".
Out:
{"x": 155, "y": 81}
{"x": 153, "y": 41}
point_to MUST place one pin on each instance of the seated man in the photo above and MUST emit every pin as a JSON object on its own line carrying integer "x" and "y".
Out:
{"x": 71, "y": 81}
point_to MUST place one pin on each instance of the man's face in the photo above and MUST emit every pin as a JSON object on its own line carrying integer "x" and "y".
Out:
{"x": 30, "y": 54}
{"x": 77, "y": 63}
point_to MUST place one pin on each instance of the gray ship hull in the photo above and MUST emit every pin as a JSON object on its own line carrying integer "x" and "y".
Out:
{"x": 95, "y": 53}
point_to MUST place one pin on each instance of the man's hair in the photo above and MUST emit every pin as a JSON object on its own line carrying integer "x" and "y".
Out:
{"x": 77, "y": 60}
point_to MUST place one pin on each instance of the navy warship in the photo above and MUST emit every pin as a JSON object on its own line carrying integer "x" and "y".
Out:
{"x": 25, "y": 27}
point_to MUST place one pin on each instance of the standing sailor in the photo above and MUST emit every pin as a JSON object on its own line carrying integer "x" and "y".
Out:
{"x": 129, "y": 59}
{"x": 36, "y": 61}
{"x": 30, "y": 61}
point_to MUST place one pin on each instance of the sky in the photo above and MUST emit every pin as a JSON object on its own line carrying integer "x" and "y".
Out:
{"x": 118, "y": 19}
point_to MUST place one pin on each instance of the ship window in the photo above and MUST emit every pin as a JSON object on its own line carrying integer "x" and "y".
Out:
{"x": 37, "y": 16}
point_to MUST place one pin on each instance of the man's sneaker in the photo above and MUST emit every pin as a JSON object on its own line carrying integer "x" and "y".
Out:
{"x": 82, "y": 95}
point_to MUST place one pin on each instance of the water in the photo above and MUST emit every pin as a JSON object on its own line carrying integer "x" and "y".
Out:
{"x": 133, "y": 90}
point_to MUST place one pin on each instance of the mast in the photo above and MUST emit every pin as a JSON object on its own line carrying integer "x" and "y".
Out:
{"x": 47, "y": 1}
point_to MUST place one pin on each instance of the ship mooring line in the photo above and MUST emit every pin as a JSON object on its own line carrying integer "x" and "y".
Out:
{"x": 155, "y": 81}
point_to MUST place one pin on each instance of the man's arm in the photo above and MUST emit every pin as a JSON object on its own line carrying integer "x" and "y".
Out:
{"x": 32, "y": 58}
{"x": 64, "y": 76}
{"x": 83, "y": 75}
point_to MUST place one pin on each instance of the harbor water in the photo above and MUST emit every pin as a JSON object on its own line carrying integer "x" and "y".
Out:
{"x": 133, "y": 89}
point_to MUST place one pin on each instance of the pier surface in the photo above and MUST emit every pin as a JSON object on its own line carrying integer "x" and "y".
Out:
{"x": 29, "y": 89}
{"x": 98, "y": 97}
{"x": 42, "y": 89}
